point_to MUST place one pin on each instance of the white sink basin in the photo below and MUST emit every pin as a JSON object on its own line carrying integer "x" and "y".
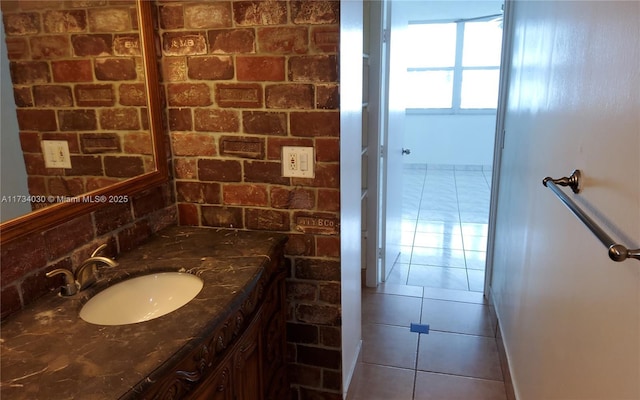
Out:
{"x": 141, "y": 299}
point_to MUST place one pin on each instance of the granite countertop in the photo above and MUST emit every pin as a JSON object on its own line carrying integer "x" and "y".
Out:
{"x": 48, "y": 352}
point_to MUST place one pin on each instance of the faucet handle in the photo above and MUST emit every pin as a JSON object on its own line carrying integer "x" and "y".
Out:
{"x": 70, "y": 288}
{"x": 99, "y": 249}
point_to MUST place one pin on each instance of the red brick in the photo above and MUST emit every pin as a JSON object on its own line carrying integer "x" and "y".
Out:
{"x": 328, "y": 200}
{"x": 211, "y": 120}
{"x": 260, "y": 12}
{"x": 325, "y": 38}
{"x": 94, "y": 95}
{"x": 63, "y": 21}
{"x": 180, "y": 119}
{"x": 329, "y": 292}
{"x": 132, "y": 94}
{"x": 239, "y": 95}
{"x": 67, "y": 236}
{"x": 29, "y": 72}
{"x": 219, "y": 170}
{"x": 137, "y": 143}
{"x": 189, "y": 94}
{"x": 110, "y": 19}
{"x": 174, "y": 69}
{"x": 221, "y": 216}
{"x": 246, "y": 195}
{"x": 17, "y": 48}
{"x": 328, "y": 246}
{"x": 315, "y": 12}
{"x": 123, "y": 167}
{"x": 127, "y": 45}
{"x": 133, "y": 235}
{"x": 198, "y": 192}
{"x": 264, "y": 172}
{"x": 103, "y": 142}
{"x": 49, "y": 47}
{"x": 186, "y": 168}
{"x": 21, "y": 257}
{"x": 77, "y": 120}
{"x": 171, "y": 16}
{"x": 94, "y": 183}
{"x": 30, "y": 141}
{"x": 328, "y": 97}
{"x": 232, "y": 41}
{"x": 274, "y": 145}
{"x": 328, "y": 149}
{"x": 59, "y": 186}
{"x": 210, "y": 15}
{"x": 317, "y": 270}
{"x": 290, "y": 96}
{"x": 322, "y": 315}
{"x": 242, "y": 146}
{"x": 120, "y": 119}
{"x": 188, "y": 215}
{"x": 193, "y": 144}
{"x": 315, "y": 124}
{"x": 26, "y": 23}
{"x": 37, "y": 120}
{"x": 85, "y": 165}
{"x": 92, "y": 45}
{"x": 112, "y": 216}
{"x": 52, "y": 96}
{"x": 327, "y": 176}
{"x": 265, "y": 123}
{"x": 297, "y": 198}
{"x": 149, "y": 201}
{"x": 115, "y": 69}
{"x": 183, "y": 43}
{"x": 260, "y": 68}
{"x": 267, "y": 220}
{"x": 23, "y": 96}
{"x": 72, "y": 71}
{"x": 284, "y": 40}
{"x": 320, "y": 68}
{"x": 301, "y": 291}
{"x": 210, "y": 67}
{"x": 300, "y": 245}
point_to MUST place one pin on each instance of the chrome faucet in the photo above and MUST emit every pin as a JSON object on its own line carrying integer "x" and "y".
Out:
{"x": 86, "y": 273}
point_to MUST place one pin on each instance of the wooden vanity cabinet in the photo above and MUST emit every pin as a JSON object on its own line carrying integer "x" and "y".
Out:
{"x": 244, "y": 357}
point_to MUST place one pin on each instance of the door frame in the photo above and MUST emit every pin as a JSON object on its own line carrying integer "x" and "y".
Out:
{"x": 379, "y": 23}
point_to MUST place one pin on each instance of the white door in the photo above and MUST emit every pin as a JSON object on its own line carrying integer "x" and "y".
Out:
{"x": 392, "y": 139}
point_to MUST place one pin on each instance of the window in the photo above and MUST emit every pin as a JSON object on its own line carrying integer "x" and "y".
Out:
{"x": 457, "y": 67}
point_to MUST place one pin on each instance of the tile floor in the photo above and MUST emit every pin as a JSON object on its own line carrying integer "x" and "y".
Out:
{"x": 438, "y": 280}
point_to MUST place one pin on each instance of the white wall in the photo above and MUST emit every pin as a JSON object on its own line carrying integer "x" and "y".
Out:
{"x": 351, "y": 35}
{"x": 450, "y": 139}
{"x": 447, "y": 139}
{"x": 13, "y": 173}
{"x": 570, "y": 317}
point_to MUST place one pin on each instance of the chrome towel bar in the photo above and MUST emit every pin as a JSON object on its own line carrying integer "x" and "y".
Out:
{"x": 617, "y": 252}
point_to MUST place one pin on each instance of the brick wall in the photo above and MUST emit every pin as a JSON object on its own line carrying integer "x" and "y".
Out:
{"x": 76, "y": 69}
{"x": 243, "y": 79}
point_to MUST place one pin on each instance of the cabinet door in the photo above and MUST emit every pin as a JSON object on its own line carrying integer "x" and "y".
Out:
{"x": 247, "y": 372}
{"x": 218, "y": 386}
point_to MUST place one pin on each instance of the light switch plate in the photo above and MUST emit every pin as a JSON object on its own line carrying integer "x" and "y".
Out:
{"x": 56, "y": 154}
{"x": 298, "y": 162}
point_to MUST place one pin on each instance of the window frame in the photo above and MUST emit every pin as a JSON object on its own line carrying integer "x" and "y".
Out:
{"x": 457, "y": 69}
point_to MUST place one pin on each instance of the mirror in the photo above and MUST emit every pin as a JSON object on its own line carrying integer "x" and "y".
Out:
{"x": 86, "y": 80}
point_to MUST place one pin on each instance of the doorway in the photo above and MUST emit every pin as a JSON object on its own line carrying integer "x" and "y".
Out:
{"x": 450, "y": 133}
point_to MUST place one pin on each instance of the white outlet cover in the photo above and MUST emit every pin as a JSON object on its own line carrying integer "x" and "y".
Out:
{"x": 56, "y": 154}
{"x": 298, "y": 162}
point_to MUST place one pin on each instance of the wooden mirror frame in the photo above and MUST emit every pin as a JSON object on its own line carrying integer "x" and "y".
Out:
{"x": 42, "y": 219}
